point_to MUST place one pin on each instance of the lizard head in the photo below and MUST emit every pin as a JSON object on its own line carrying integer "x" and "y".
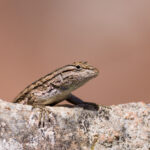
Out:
{"x": 77, "y": 74}
{"x": 86, "y": 70}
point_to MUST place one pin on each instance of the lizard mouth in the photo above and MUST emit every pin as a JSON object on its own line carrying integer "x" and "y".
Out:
{"x": 95, "y": 72}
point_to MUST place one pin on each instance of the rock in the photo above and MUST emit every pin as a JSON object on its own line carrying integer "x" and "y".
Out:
{"x": 120, "y": 127}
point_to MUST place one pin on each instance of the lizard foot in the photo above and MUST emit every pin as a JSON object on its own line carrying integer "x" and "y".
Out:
{"x": 44, "y": 114}
{"x": 89, "y": 106}
{"x": 106, "y": 107}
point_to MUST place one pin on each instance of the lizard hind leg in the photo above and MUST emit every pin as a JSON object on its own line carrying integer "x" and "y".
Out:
{"x": 43, "y": 116}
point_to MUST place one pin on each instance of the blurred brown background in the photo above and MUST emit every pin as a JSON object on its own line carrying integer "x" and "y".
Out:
{"x": 37, "y": 37}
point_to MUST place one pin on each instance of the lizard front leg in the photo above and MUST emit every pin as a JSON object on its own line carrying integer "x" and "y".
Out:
{"x": 77, "y": 101}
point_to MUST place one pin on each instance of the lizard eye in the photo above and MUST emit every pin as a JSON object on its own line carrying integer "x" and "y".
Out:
{"x": 78, "y": 67}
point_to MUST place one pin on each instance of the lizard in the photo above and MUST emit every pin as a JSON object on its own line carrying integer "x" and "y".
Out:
{"x": 58, "y": 85}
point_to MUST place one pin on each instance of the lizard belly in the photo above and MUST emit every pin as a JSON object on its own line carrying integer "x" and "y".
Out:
{"x": 54, "y": 95}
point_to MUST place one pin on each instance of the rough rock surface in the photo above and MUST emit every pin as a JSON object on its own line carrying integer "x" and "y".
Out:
{"x": 121, "y": 127}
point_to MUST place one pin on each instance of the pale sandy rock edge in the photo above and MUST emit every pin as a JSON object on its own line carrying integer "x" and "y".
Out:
{"x": 120, "y": 127}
